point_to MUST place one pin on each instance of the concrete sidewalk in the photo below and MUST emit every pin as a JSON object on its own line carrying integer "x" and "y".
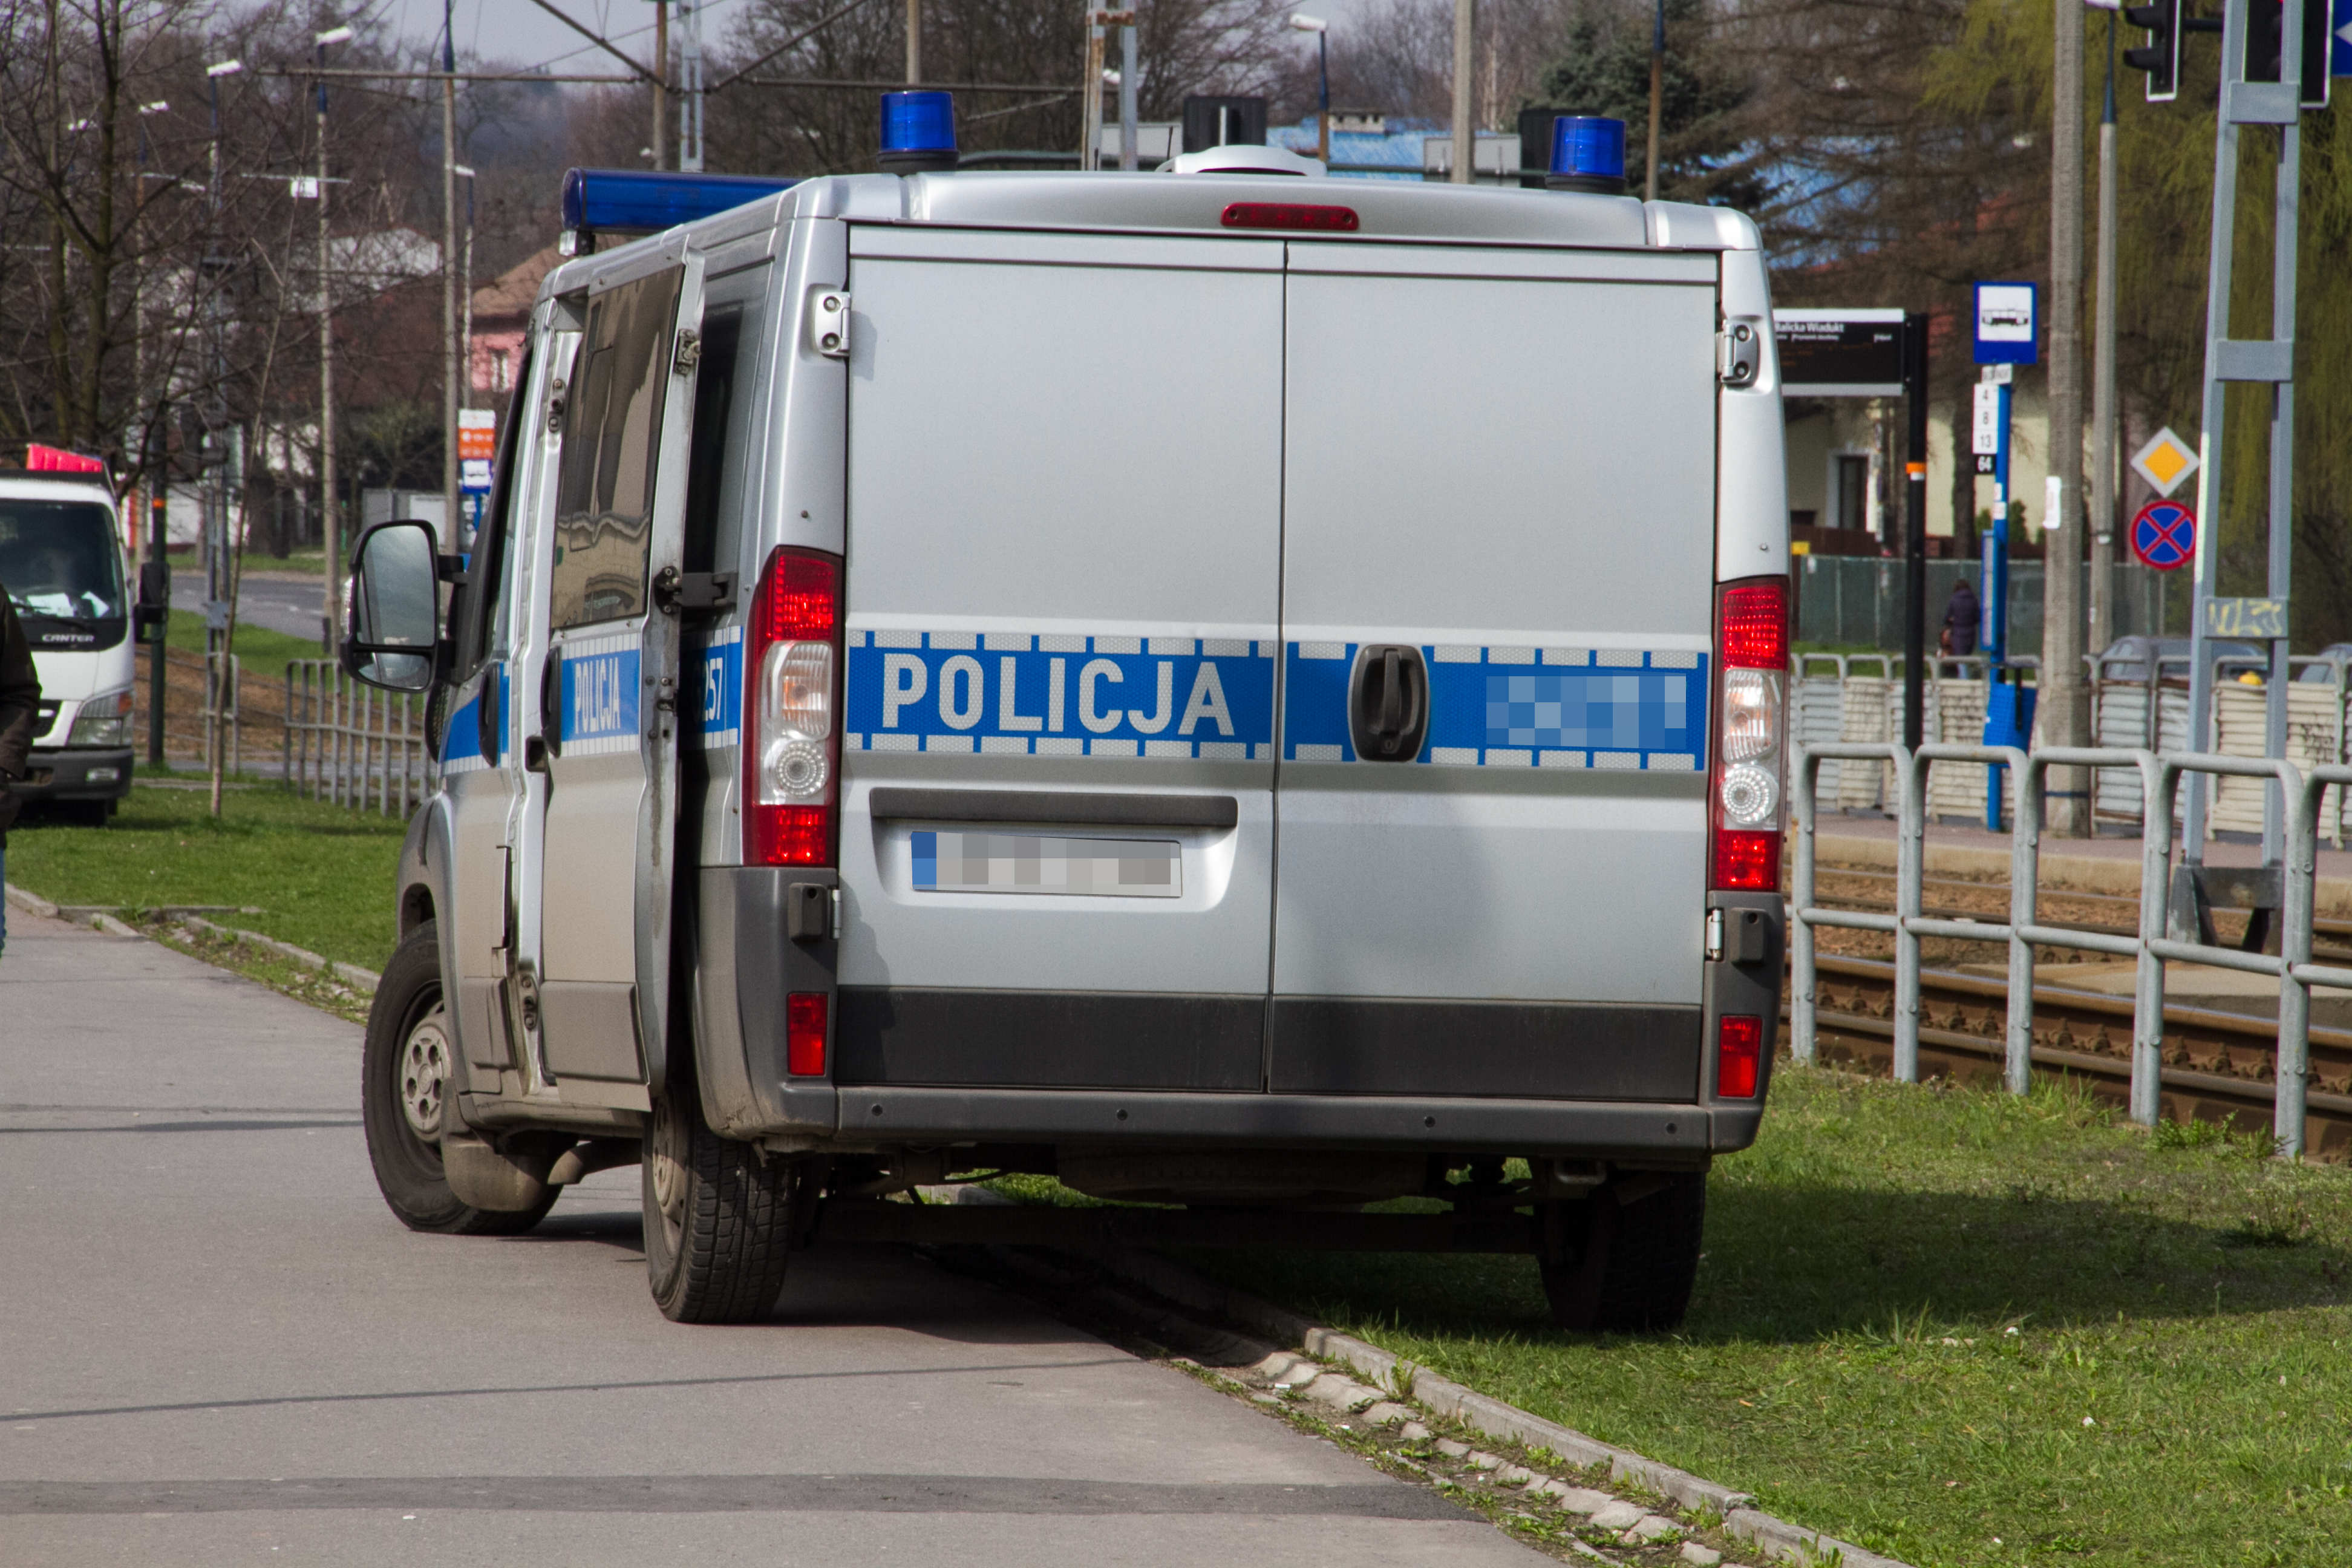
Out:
{"x": 220, "y": 1347}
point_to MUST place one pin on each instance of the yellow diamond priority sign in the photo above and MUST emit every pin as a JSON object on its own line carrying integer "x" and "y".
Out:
{"x": 2165, "y": 461}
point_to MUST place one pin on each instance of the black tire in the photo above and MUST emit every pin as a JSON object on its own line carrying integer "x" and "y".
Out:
{"x": 717, "y": 1216}
{"x": 1624, "y": 1259}
{"x": 405, "y": 1071}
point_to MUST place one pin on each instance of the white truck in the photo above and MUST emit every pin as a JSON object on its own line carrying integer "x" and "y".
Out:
{"x": 1238, "y": 691}
{"x": 61, "y": 560}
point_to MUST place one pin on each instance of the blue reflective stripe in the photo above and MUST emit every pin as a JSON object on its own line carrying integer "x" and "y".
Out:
{"x": 719, "y": 713}
{"x": 1060, "y": 695}
{"x": 599, "y": 697}
{"x": 1519, "y": 706}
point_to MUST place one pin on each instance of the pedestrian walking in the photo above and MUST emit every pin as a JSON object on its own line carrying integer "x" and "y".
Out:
{"x": 1960, "y": 619}
{"x": 20, "y": 698}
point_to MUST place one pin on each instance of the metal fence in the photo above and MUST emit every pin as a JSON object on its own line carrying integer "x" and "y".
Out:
{"x": 2303, "y": 796}
{"x": 351, "y": 743}
{"x": 2134, "y": 706}
{"x": 1858, "y": 601}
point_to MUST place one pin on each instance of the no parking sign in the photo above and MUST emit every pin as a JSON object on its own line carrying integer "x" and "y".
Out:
{"x": 2164, "y": 534}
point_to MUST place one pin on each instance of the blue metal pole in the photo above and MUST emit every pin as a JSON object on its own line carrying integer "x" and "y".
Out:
{"x": 1995, "y": 638}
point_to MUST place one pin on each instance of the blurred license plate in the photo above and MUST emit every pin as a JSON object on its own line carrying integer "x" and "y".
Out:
{"x": 1034, "y": 863}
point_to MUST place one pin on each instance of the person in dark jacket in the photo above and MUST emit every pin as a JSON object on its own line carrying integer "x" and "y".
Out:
{"x": 1960, "y": 616}
{"x": 20, "y": 697}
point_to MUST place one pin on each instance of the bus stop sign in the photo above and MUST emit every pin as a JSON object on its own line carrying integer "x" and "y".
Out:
{"x": 2164, "y": 534}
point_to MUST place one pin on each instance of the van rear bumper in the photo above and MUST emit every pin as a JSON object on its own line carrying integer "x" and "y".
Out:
{"x": 75, "y": 773}
{"x": 1645, "y": 1131}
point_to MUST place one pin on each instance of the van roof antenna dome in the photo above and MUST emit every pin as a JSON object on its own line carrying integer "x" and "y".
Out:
{"x": 1245, "y": 159}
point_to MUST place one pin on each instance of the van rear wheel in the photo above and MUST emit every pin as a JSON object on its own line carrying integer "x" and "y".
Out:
{"x": 1624, "y": 1259}
{"x": 717, "y": 1216}
{"x": 408, "y": 1068}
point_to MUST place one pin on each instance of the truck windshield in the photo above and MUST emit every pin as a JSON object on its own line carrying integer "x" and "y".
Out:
{"x": 57, "y": 559}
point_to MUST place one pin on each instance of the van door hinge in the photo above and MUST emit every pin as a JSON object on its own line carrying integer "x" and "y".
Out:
{"x": 828, "y": 321}
{"x": 1739, "y": 354}
{"x": 697, "y": 593}
{"x": 555, "y": 408}
{"x": 689, "y": 352}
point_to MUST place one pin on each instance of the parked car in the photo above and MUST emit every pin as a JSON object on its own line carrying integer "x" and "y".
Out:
{"x": 2127, "y": 657}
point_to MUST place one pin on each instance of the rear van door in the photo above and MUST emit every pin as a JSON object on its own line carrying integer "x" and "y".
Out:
{"x": 1499, "y": 527}
{"x": 1063, "y": 558}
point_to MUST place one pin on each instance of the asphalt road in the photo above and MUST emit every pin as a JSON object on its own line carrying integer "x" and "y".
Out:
{"x": 216, "y": 1345}
{"x": 282, "y": 604}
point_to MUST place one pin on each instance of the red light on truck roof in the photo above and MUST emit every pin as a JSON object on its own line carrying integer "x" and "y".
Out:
{"x": 1291, "y": 215}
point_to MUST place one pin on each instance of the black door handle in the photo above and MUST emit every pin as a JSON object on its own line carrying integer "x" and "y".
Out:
{"x": 1387, "y": 702}
{"x": 489, "y": 722}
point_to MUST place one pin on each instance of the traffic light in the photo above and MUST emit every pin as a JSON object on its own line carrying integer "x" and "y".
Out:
{"x": 2265, "y": 27}
{"x": 2161, "y": 58}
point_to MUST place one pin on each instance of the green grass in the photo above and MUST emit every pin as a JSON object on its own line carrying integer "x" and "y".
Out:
{"x": 320, "y": 875}
{"x": 1953, "y": 1327}
{"x": 261, "y": 650}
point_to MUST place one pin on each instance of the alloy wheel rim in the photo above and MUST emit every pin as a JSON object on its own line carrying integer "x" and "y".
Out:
{"x": 422, "y": 1074}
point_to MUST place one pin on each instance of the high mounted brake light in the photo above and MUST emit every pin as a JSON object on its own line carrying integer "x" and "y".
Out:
{"x": 1311, "y": 217}
{"x": 1745, "y": 807}
{"x": 792, "y": 753}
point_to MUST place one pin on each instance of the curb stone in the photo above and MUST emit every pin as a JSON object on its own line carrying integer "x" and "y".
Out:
{"x": 350, "y": 974}
{"x": 363, "y": 981}
{"x": 1173, "y": 1282}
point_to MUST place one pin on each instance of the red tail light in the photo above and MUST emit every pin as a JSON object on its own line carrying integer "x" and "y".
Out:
{"x": 804, "y": 1020}
{"x": 1739, "y": 1052}
{"x": 792, "y": 745}
{"x": 1745, "y": 792}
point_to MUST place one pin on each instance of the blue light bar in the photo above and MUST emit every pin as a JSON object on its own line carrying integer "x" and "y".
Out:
{"x": 1588, "y": 153}
{"x": 917, "y": 132}
{"x": 602, "y": 201}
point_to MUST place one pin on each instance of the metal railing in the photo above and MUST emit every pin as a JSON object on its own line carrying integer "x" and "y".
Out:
{"x": 2301, "y": 795}
{"x": 352, "y": 744}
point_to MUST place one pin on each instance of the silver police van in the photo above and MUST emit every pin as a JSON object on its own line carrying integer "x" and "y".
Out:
{"x": 1235, "y": 688}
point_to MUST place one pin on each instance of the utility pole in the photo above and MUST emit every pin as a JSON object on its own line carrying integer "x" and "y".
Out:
{"x": 914, "y": 43}
{"x": 2064, "y": 705}
{"x": 1466, "y": 47}
{"x": 329, "y": 535}
{"x": 1090, "y": 117}
{"x": 661, "y": 83}
{"x": 450, "y": 275}
{"x": 1657, "y": 96}
{"x": 2103, "y": 381}
{"x": 1126, "y": 90}
{"x": 689, "y": 87}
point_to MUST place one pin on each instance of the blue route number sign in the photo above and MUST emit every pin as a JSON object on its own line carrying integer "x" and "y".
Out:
{"x": 2164, "y": 534}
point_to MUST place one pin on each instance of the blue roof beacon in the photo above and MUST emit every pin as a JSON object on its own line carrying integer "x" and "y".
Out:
{"x": 918, "y": 133}
{"x": 1588, "y": 153}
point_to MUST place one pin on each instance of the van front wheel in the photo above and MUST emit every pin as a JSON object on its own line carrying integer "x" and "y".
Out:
{"x": 1624, "y": 1259}
{"x": 717, "y": 1216}
{"x": 408, "y": 1069}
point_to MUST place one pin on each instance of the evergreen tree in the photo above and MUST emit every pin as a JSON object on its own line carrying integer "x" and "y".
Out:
{"x": 1604, "y": 67}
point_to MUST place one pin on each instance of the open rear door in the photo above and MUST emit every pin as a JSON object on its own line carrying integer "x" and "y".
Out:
{"x": 1498, "y": 545}
{"x": 610, "y": 681}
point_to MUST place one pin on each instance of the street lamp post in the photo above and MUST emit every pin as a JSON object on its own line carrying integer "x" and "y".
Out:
{"x": 329, "y": 534}
{"x": 2102, "y": 370}
{"x": 1322, "y": 31}
{"x": 157, "y": 477}
{"x": 215, "y": 528}
{"x": 449, "y": 271}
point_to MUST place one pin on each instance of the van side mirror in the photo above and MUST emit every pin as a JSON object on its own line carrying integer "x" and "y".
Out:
{"x": 151, "y": 617}
{"x": 394, "y": 641}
